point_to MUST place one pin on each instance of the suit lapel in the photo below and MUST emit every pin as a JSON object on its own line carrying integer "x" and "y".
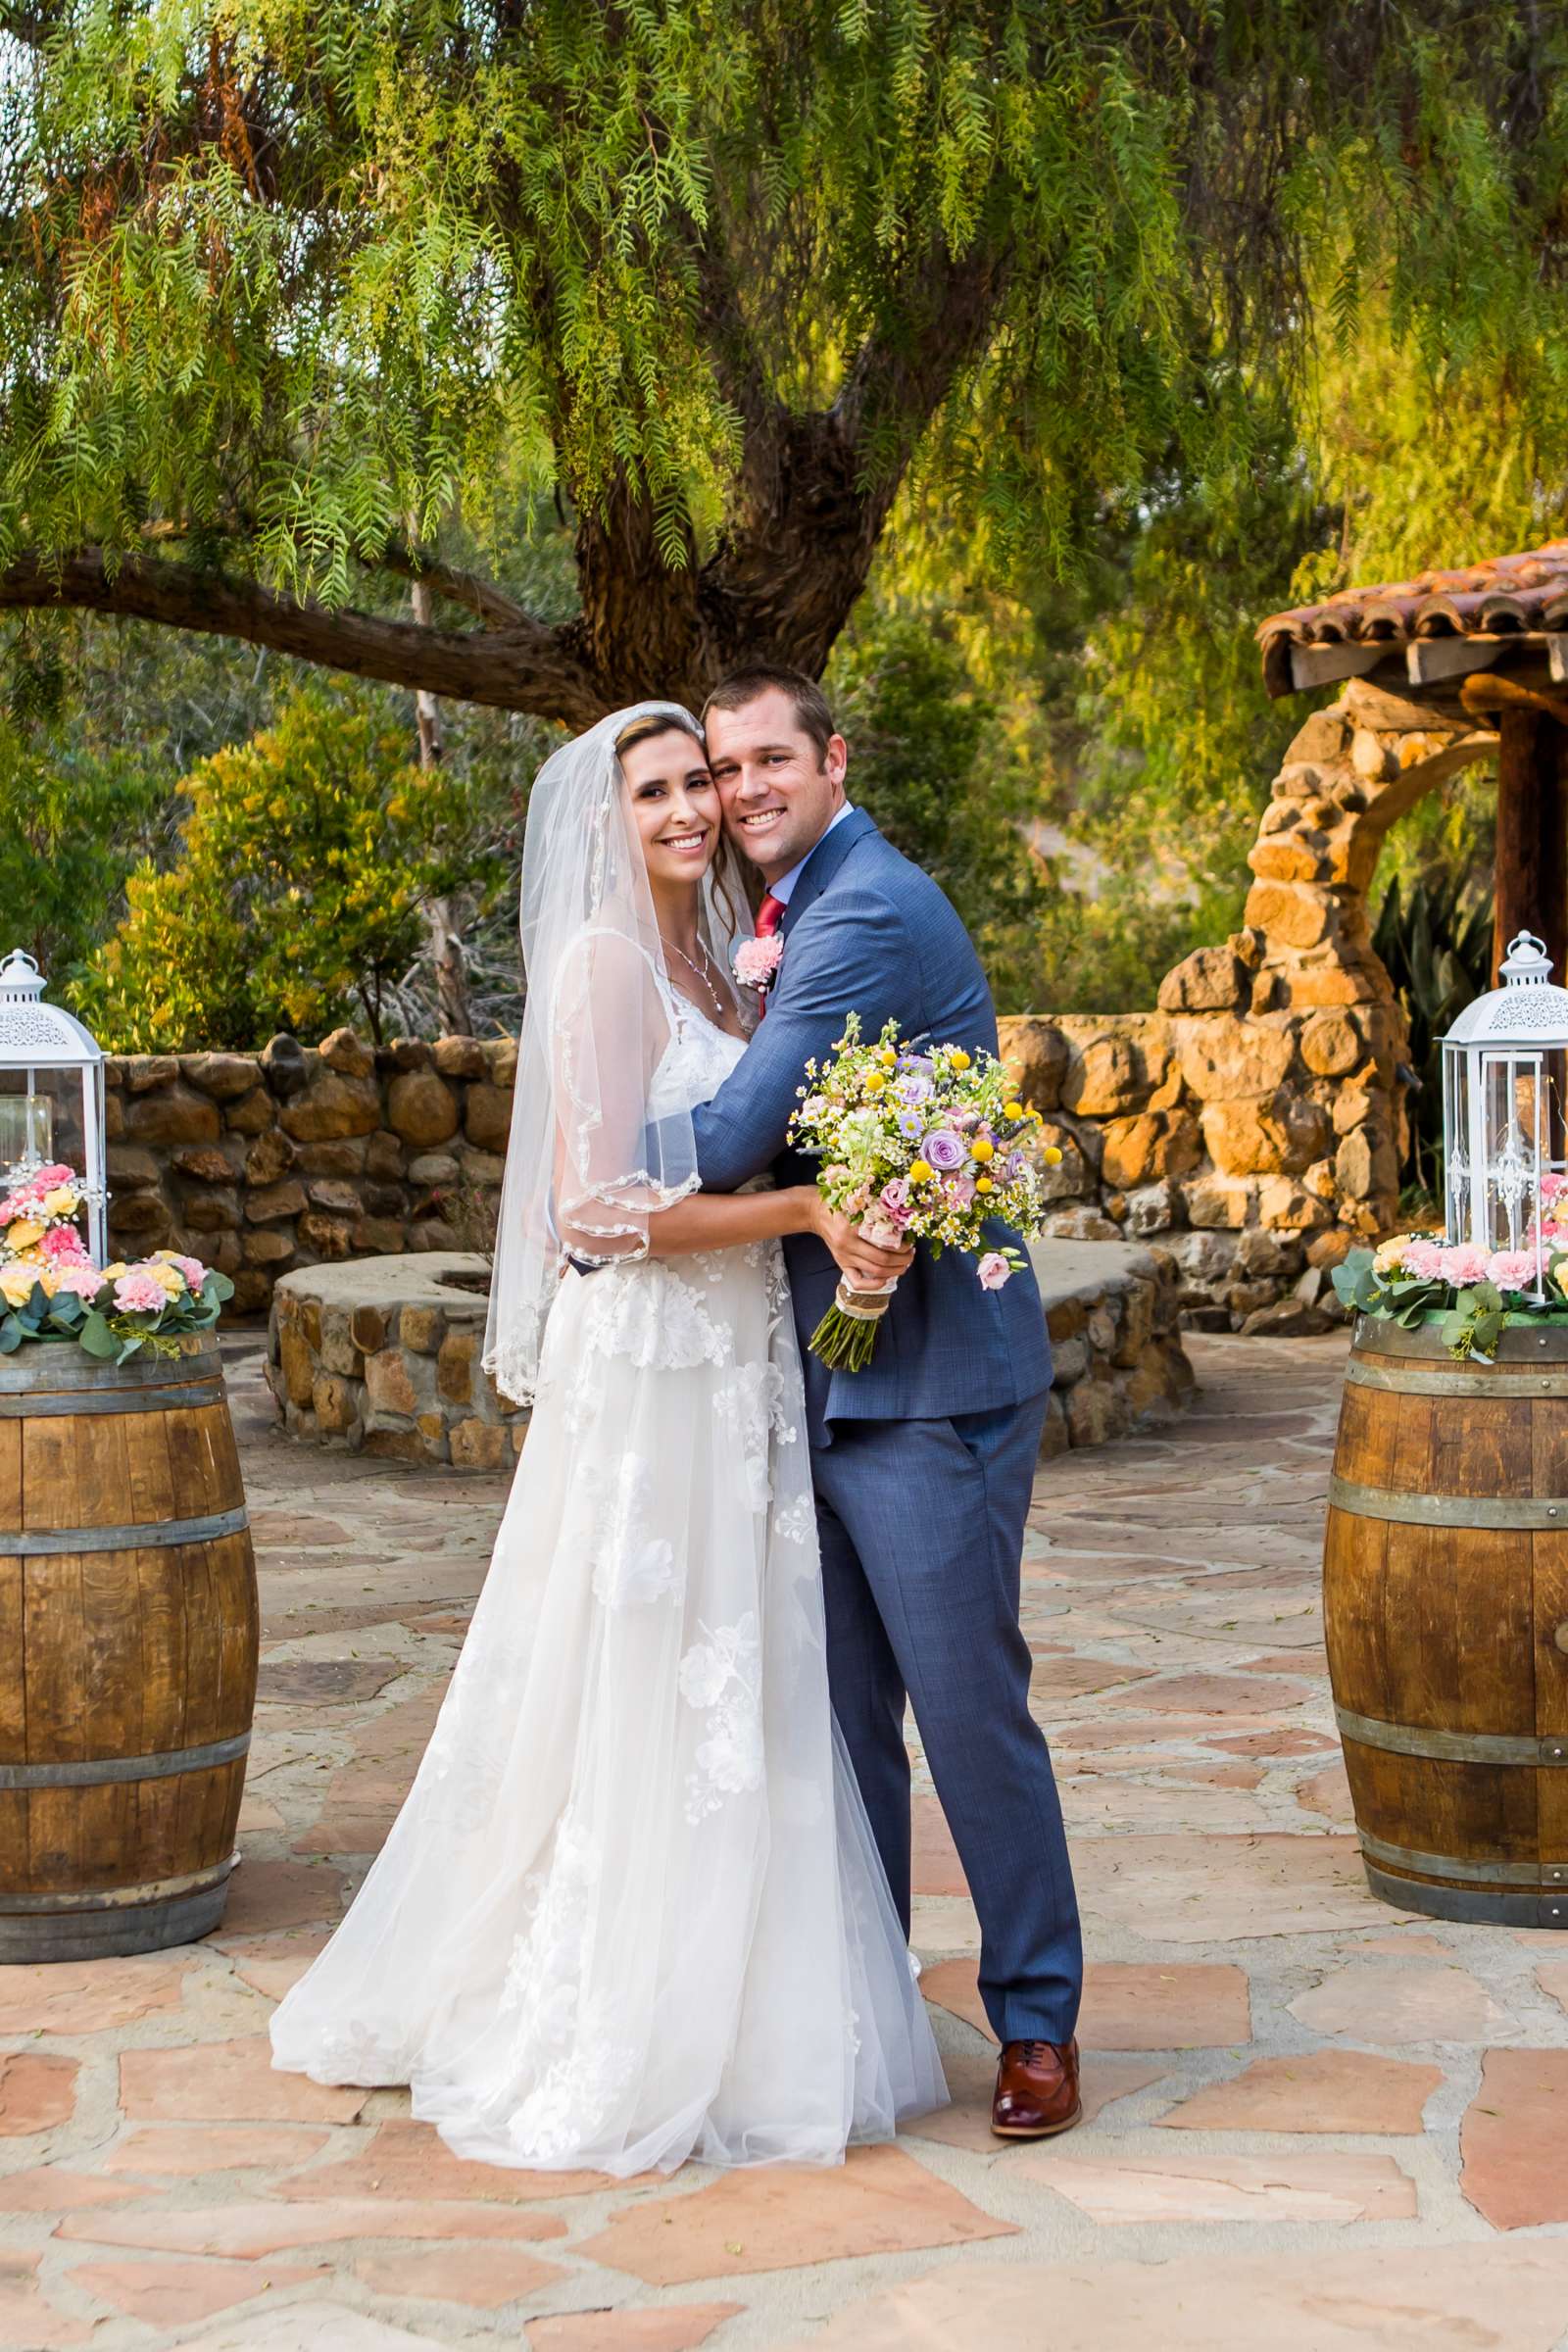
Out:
{"x": 823, "y": 864}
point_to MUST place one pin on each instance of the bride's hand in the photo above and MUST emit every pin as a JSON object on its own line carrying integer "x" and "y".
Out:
{"x": 862, "y": 1262}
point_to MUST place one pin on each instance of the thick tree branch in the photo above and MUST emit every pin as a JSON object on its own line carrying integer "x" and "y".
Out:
{"x": 528, "y": 668}
{"x": 465, "y": 588}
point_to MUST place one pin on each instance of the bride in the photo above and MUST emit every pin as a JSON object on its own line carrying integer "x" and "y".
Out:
{"x": 631, "y": 1911}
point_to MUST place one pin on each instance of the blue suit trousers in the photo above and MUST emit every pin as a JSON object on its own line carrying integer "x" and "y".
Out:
{"x": 921, "y": 1525}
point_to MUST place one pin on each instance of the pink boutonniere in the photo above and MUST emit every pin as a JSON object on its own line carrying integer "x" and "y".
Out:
{"x": 757, "y": 963}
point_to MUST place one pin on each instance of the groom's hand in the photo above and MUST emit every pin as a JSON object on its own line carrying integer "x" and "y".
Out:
{"x": 862, "y": 1262}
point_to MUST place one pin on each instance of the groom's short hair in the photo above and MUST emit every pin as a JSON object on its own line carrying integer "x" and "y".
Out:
{"x": 743, "y": 686}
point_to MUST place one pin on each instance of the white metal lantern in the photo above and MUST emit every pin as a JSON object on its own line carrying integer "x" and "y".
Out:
{"x": 50, "y": 1054}
{"x": 1505, "y": 1101}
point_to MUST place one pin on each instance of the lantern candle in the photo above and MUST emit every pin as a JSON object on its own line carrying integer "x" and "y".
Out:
{"x": 26, "y": 1133}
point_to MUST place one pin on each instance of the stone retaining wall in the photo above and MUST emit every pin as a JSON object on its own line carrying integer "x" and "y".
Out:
{"x": 296, "y": 1157}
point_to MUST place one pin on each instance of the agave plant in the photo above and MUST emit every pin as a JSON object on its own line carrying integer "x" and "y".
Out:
{"x": 1435, "y": 941}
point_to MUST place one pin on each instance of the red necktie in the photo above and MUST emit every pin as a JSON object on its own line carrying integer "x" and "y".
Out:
{"x": 769, "y": 915}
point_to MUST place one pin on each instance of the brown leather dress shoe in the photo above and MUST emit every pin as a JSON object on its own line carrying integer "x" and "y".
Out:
{"x": 1037, "y": 2091}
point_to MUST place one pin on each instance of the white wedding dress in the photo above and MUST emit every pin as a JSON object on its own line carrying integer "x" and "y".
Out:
{"x": 631, "y": 1911}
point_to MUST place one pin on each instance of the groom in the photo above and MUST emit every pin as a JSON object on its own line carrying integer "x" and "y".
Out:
{"x": 922, "y": 1463}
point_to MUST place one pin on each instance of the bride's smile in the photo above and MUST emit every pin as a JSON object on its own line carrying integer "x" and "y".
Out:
{"x": 674, "y": 805}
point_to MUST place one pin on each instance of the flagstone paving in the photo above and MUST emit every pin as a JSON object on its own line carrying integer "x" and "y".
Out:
{"x": 1311, "y": 2124}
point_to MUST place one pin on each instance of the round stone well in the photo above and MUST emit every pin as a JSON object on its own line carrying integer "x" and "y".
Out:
{"x": 381, "y": 1355}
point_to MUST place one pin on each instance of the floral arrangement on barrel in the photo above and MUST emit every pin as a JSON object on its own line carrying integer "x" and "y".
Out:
{"x": 919, "y": 1143}
{"x": 1416, "y": 1278}
{"x": 51, "y": 1290}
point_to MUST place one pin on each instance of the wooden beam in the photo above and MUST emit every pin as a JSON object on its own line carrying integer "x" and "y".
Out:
{"x": 1429, "y": 659}
{"x": 1552, "y": 849}
{"x": 1532, "y": 858}
{"x": 1321, "y": 665}
{"x": 1482, "y": 695}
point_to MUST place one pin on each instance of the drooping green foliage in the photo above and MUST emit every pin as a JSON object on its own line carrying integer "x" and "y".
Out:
{"x": 284, "y": 280}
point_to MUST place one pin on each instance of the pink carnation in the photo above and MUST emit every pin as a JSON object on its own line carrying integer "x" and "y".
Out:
{"x": 44, "y": 1180}
{"x": 757, "y": 960}
{"x": 1553, "y": 1188}
{"x": 993, "y": 1270}
{"x": 139, "y": 1294}
{"x": 1423, "y": 1262}
{"x": 194, "y": 1272}
{"x": 81, "y": 1280}
{"x": 1513, "y": 1269}
{"x": 1463, "y": 1263}
{"x": 64, "y": 1245}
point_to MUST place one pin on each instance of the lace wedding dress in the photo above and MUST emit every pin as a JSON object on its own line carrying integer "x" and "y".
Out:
{"x": 631, "y": 1911}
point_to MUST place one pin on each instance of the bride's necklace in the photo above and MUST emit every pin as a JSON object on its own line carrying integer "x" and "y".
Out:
{"x": 697, "y": 970}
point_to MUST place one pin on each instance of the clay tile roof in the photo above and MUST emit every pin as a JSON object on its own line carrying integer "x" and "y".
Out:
{"x": 1503, "y": 596}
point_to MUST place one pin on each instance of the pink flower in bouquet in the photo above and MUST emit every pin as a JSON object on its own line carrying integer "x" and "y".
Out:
{"x": 1422, "y": 1261}
{"x": 64, "y": 1245}
{"x": 139, "y": 1294}
{"x": 1463, "y": 1263}
{"x": 882, "y": 1231}
{"x": 896, "y": 1200}
{"x": 757, "y": 960}
{"x": 1553, "y": 1188}
{"x": 959, "y": 1191}
{"x": 54, "y": 1173}
{"x": 993, "y": 1270}
{"x": 1513, "y": 1269}
{"x": 81, "y": 1278}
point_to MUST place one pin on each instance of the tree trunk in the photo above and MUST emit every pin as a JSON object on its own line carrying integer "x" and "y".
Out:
{"x": 453, "y": 1010}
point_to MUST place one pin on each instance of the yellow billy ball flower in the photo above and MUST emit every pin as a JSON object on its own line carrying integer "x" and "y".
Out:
{"x": 874, "y": 1082}
{"x": 1051, "y": 1156}
{"x": 982, "y": 1149}
{"x": 919, "y": 1171}
{"x": 983, "y": 1183}
{"x": 887, "y": 1057}
{"x": 958, "y": 1058}
{"x": 1013, "y": 1110}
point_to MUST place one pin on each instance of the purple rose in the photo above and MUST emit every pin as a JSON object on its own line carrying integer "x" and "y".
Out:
{"x": 944, "y": 1150}
{"x": 913, "y": 1086}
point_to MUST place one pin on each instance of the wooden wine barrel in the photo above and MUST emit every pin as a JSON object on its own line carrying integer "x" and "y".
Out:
{"x": 128, "y": 1650}
{"x": 1446, "y": 1612}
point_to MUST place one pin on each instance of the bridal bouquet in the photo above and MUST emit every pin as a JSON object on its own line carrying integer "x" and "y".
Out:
{"x": 51, "y": 1290}
{"x": 918, "y": 1144}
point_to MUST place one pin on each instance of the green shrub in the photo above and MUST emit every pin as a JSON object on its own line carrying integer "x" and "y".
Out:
{"x": 306, "y": 859}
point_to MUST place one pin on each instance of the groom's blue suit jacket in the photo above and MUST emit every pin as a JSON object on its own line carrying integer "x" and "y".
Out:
{"x": 867, "y": 932}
